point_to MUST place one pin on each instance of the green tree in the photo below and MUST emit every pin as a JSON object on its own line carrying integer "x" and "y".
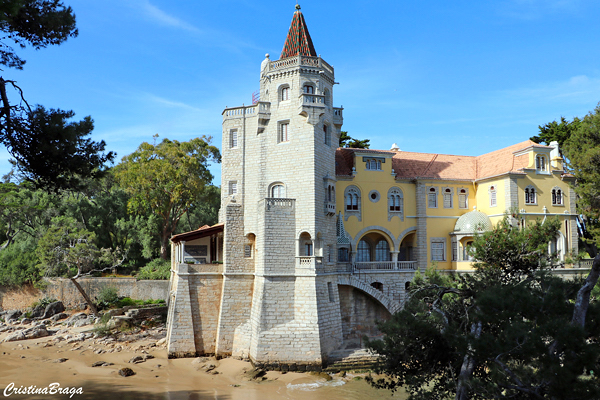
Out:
{"x": 47, "y": 149}
{"x": 164, "y": 180}
{"x": 583, "y": 152}
{"x": 509, "y": 330}
{"x": 556, "y": 131}
{"x": 348, "y": 141}
{"x": 68, "y": 249}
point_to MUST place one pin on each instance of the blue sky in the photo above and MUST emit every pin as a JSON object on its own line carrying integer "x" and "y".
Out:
{"x": 462, "y": 77}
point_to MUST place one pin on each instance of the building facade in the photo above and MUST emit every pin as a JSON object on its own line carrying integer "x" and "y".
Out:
{"x": 316, "y": 243}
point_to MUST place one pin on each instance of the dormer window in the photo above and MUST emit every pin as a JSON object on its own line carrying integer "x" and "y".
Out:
{"x": 308, "y": 89}
{"x": 541, "y": 163}
{"x": 373, "y": 164}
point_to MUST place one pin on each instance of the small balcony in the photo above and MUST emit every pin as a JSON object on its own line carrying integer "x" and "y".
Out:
{"x": 384, "y": 266}
{"x": 338, "y": 117}
{"x": 329, "y": 208}
{"x": 307, "y": 262}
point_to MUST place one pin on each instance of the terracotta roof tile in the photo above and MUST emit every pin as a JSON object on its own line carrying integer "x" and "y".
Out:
{"x": 409, "y": 165}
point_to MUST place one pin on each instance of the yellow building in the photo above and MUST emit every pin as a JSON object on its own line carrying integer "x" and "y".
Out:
{"x": 403, "y": 210}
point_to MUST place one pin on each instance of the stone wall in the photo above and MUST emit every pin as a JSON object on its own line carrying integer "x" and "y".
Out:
{"x": 65, "y": 291}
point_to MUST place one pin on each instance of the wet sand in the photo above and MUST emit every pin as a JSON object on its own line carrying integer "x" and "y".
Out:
{"x": 35, "y": 362}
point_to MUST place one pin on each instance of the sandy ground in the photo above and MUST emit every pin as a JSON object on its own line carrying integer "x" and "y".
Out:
{"x": 43, "y": 361}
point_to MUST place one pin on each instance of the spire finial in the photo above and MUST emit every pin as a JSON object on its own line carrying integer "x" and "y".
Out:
{"x": 297, "y": 5}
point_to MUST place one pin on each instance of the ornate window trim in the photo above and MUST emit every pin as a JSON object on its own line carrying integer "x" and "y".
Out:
{"x": 352, "y": 202}
{"x": 374, "y": 196}
{"x": 447, "y": 197}
{"x": 432, "y": 197}
{"x": 531, "y": 196}
{"x": 463, "y": 192}
{"x": 395, "y": 203}
{"x": 558, "y": 197}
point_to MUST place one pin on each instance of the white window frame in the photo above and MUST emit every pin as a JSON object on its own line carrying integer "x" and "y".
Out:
{"x": 541, "y": 164}
{"x": 448, "y": 194}
{"x": 529, "y": 192}
{"x": 432, "y": 197}
{"x": 277, "y": 191}
{"x": 463, "y": 194}
{"x": 558, "y": 196}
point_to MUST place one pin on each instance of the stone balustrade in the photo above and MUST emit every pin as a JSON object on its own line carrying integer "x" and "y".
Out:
{"x": 309, "y": 261}
{"x": 384, "y": 266}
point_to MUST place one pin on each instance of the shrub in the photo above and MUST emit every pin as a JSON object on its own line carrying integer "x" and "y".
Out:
{"x": 108, "y": 296}
{"x": 155, "y": 269}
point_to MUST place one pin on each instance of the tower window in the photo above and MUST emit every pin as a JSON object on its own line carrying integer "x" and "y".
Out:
{"x": 277, "y": 191}
{"x": 233, "y": 138}
{"x": 327, "y": 135}
{"x": 283, "y": 132}
{"x": 308, "y": 89}
{"x": 232, "y": 188}
{"x": 285, "y": 93}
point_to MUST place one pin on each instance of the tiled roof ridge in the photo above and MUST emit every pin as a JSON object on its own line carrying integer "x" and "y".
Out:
{"x": 298, "y": 39}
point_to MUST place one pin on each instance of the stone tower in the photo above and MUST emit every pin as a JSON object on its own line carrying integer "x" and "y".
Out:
{"x": 279, "y": 302}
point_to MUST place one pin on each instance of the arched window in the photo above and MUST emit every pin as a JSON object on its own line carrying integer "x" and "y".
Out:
{"x": 382, "y": 251}
{"x": 540, "y": 163}
{"x": 363, "y": 251}
{"x": 352, "y": 197}
{"x": 432, "y": 198}
{"x": 285, "y": 93}
{"x": 447, "y": 198}
{"x": 530, "y": 195}
{"x": 557, "y": 199}
{"x": 277, "y": 191}
{"x": 463, "y": 198}
{"x": 309, "y": 89}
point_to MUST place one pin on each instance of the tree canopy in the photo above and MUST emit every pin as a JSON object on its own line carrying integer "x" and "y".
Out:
{"x": 166, "y": 179}
{"x": 47, "y": 149}
{"x": 348, "y": 141}
{"x": 509, "y": 330}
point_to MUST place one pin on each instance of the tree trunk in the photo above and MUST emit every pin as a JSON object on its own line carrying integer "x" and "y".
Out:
{"x": 582, "y": 302}
{"x": 89, "y": 302}
{"x": 468, "y": 365}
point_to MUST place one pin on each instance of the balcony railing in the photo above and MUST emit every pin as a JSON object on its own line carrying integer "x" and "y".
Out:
{"x": 384, "y": 266}
{"x": 308, "y": 261}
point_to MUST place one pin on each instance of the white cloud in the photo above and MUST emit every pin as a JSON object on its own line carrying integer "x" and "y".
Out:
{"x": 158, "y": 15}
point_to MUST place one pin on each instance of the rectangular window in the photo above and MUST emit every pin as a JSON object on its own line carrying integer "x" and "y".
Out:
{"x": 283, "y": 132}
{"x": 248, "y": 251}
{"x": 454, "y": 249}
{"x": 447, "y": 200}
{"x": 233, "y": 139}
{"x": 329, "y": 254}
{"x": 343, "y": 255}
{"x": 432, "y": 200}
{"x": 327, "y": 136}
{"x": 462, "y": 200}
{"x": 438, "y": 249}
{"x": 232, "y": 188}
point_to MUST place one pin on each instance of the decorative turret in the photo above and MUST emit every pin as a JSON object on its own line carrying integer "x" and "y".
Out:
{"x": 298, "y": 41}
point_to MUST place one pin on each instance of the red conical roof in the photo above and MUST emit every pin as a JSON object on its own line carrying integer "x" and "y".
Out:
{"x": 298, "y": 40}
